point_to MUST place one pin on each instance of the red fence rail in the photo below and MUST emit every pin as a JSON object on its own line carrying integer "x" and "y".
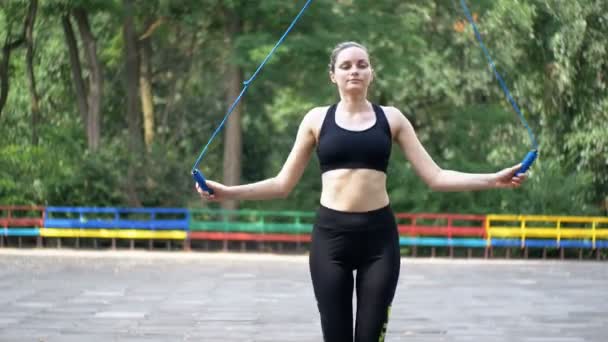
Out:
{"x": 448, "y": 225}
{"x": 21, "y": 216}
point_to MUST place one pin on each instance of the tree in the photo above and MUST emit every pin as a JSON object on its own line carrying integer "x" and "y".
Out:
{"x": 168, "y": 70}
{"x": 89, "y": 96}
{"x": 11, "y": 11}
{"x": 145, "y": 80}
{"x": 29, "y": 57}
{"x": 233, "y": 135}
{"x": 132, "y": 90}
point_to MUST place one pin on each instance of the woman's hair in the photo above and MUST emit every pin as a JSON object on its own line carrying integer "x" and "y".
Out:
{"x": 339, "y": 48}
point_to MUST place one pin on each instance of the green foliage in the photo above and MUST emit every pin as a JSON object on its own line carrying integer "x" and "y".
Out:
{"x": 551, "y": 53}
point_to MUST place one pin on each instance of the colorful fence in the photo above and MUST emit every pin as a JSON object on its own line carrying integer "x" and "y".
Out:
{"x": 21, "y": 221}
{"x": 534, "y": 231}
{"x": 441, "y": 230}
{"x": 116, "y": 223}
{"x": 250, "y": 226}
{"x": 294, "y": 227}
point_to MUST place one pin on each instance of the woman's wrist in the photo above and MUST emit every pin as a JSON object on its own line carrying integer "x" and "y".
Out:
{"x": 492, "y": 180}
{"x": 231, "y": 192}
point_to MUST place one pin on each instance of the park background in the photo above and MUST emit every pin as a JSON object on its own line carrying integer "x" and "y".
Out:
{"x": 108, "y": 102}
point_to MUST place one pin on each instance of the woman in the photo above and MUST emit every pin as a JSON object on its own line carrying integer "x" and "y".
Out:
{"x": 355, "y": 228}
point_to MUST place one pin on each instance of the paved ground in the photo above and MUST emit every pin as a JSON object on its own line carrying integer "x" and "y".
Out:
{"x": 76, "y": 296}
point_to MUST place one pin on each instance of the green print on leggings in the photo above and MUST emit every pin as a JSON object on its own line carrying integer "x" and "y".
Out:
{"x": 383, "y": 332}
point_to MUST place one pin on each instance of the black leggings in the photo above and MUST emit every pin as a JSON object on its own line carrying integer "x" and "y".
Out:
{"x": 341, "y": 243}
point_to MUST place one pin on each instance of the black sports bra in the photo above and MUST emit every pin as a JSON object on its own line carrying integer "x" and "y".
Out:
{"x": 339, "y": 148}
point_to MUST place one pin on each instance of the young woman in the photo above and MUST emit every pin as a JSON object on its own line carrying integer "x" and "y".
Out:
{"x": 355, "y": 229}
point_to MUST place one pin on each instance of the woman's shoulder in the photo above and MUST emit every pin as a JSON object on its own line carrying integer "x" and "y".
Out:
{"x": 313, "y": 120}
{"x": 396, "y": 119}
{"x": 320, "y": 110}
{"x": 391, "y": 111}
{"x": 316, "y": 114}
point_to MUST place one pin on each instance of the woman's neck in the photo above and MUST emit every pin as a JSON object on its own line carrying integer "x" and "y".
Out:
{"x": 354, "y": 104}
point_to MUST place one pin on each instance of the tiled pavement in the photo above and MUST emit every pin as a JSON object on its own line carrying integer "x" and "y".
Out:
{"x": 80, "y": 296}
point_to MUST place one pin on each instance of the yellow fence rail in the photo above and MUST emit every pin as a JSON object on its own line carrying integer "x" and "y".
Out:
{"x": 546, "y": 227}
{"x": 113, "y": 233}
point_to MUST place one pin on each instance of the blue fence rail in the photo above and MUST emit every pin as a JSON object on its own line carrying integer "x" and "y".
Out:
{"x": 117, "y": 218}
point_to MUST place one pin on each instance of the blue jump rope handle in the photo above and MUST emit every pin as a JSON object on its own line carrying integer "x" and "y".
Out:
{"x": 527, "y": 162}
{"x": 200, "y": 179}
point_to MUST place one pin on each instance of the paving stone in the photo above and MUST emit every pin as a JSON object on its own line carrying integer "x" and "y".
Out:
{"x": 66, "y": 295}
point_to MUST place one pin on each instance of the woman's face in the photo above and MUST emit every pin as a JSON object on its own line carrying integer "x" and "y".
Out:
{"x": 352, "y": 71}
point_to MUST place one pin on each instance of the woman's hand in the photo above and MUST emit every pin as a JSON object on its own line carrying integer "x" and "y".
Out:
{"x": 507, "y": 178}
{"x": 220, "y": 191}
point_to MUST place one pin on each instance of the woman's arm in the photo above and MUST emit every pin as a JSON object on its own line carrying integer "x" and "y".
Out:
{"x": 439, "y": 179}
{"x": 279, "y": 186}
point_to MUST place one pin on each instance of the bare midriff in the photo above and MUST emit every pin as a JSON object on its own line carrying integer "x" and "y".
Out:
{"x": 354, "y": 190}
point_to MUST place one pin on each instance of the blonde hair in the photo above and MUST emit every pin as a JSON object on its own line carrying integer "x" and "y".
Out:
{"x": 339, "y": 48}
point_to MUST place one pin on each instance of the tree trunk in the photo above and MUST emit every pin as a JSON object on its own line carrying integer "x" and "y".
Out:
{"x": 4, "y": 77}
{"x": 145, "y": 83}
{"x": 7, "y": 48}
{"x": 233, "y": 136}
{"x": 76, "y": 68}
{"x": 145, "y": 80}
{"x": 29, "y": 57}
{"x": 133, "y": 115}
{"x": 95, "y": 79}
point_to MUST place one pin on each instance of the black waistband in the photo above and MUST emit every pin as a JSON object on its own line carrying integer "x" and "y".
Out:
{"x": 382, "y": 218}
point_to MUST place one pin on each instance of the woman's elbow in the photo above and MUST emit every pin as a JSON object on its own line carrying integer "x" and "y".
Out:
{"x": 434, "y": 186}
{"x": 433, "y": 181}
{"x": 283, "y": 193}
{"x": 283, "y": 189}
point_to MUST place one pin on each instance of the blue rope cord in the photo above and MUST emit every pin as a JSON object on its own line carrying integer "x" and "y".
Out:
{"x": 498, "y": 77}
{"x": 248, "y": 82}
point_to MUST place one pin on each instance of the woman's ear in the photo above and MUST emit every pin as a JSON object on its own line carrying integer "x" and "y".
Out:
{"x": 332, "y": 77}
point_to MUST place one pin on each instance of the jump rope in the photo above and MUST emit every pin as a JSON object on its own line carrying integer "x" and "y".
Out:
{"x": 526, "y": 163}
